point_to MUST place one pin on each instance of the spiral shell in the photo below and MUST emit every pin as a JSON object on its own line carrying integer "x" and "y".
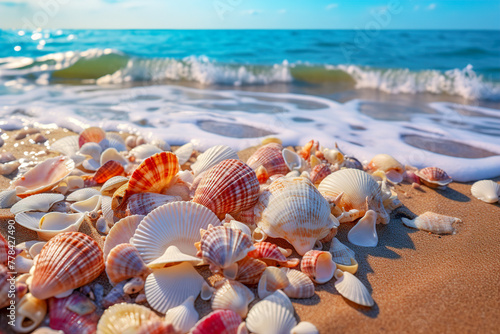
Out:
{"x": 433, "y": 222}
{"x": 123, "y": 262}
{"x": 318, "y": 265}
{"x": 434, "y": 177}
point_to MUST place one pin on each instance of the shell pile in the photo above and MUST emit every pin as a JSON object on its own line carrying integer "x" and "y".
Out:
{"x": 166, "y": 217}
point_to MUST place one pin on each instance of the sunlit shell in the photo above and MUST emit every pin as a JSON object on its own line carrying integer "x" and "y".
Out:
{"x": 111, "y": 185}
{"x": 319, "y": 172}
{"x": 30, "y": 313}
{"x": 184, "y": 152}
{"x": 341, "y": 254}
{"x": 433, "y": 222}
{"x": 144, "y": 151}
{"x": 91, "y": 204}
{"x": 304, "y": 327}
{"x": 272, "y": 279}
{"x": 8, "y": 198}
{"x": 486, "y": 190}
{"x": 262, "y": 175}
{"x": 171, "y": 286}
{"x": 124, "y": 262}
{"x": 392, "y": 168}
{"x": 228, "y": 187}
{"x": 124, "y": 318}
{"x": 43, "y": 177}
{"x": 218, "y": 321}
{"x": 108, "y": 170}
{"x": 9, "y": 167}
{"x": 270, "y": 157}
{"x": 184, "y": 316}
{"x": 364, "y": 232}
{"x": 301, "y": 286}
{"x": 73, "y": 314}
{"x": 66, "y": 145}
{"x": 91, "y": 134}
{"x": 68, "y": 261}
{"x": 293, "y": 209}
{"x": 272, "y": 254}
{"x": 269, "y": 317}
{"x": 121, "y": 233}
{"x": 48, "y": 225}
{"x": 111, "y": 154}
{"x": 318, "y": 265}
{"x": 36, "y": 248}
{"x": 222, "y": 247}
{"x": 212, "y": 157}
{"x": 232, "y": 295}
{"x": 351, "y": 288}
{"x": 250, "y": 270}
{"x": 349, "y": 189}
{"x": 39, "y": 202}
{"x": 82, "y": 194}
{"x": 144, "y": 203}
{"x": 434, "y": 177}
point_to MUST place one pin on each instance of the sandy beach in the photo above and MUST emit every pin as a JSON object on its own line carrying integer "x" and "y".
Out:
{"x": 421, "y": 282}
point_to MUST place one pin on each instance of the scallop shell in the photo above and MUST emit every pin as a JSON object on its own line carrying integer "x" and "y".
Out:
{"x": 68, "y": 261}
{"x": 341, "y": 254}
{"x": 113, "y": 140}
{"x": 318, "y": 265}
{"x": 121, "y": 233}
{"x": 144, "y": 151}
{"x": 319, "y": 172}
{"x": 434, "y": 177}
{"x": 111, "y": 154}
{"x": 30, "y": 313}
{"x": 107, "y": 212}
{"x": 272, "y": 254}
{"x": 364, "y": 232}
{"x": 270, "y": 317}
{"x": 212, "y": 157}
{"x": 229, "y": 187}
{"x": 184, "y": 152}
{"x": 91, "y": 134}
{"x": 304, "y": 327}
{"x": 349, "y": 190}
{"x": 82, "y": 194}
{"x": 154, "y": 174}
{"x": 171, "y": 286}
{"x": 111, "y": 185}
{"x": 91, "y": 204}
{"x": 39, "y": 202}
{"x": 48, "y": 225}
{"x": 144, "y": 203}
{"x": 222, "y": 247}
{"x": 270, "y": 157}
{"x": 351, "y": 288}
{"x": 250, "y": 270}
{"x": 301, "y": 286}
{"x": 184, "y": 316}
{"x": 220, "y": 322}
{"x": 73, "y": 314}
{"x": 293, "y": 209}
{"x": 66, "y": 145}
{"x": 232, "y": 295}
{"x": 272, "y": 279}
{"x": 108, "y": 170}
{"x": 486, "y": 190}
{"x": 124, "y": 318}
{"x": 392, "y": 168}
{"x": 43, "y": 177}
{"x": 8, "y": 198}
{"x": 92, "y": 150}
{"x": 292, "y": 160}
{"x": 174, "y": 224}
{"x": 433, "y": 222}
{"x": 124, "y": 262}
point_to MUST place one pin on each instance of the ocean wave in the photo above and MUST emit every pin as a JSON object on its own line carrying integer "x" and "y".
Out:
{"x": 110, "y": 66}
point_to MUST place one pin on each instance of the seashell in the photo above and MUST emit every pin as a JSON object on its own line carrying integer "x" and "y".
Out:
{"x": 184, "y": 152}
{"x": 229, "y": 187}
{"x": 106, "y": 171}
{"x": 184, "y": 316}
{"x": 8, "y": 198}
{"x": 91, "y": 165}
{"x": 144, "y": 151}
{"x": 333, "y": 156}
{"x": 92, "y": 150}
{"x": 486, "y": 190}
{"x": 157, "y": 326}
{"x": 43, "y": 177}
{"x": 117, "y": 295}
{"x": 68, "y": 261}
{"x": 318, "y": 265}
{"x": 206, "y": 291}
{"x": 272, "y": 254}
{"x": 70, "y": 183}
{"x": 343, "y": 256}
{"x": 107, "y": 212}
{"x": 301, "y": 286}
{"x": 271, "y": 317}
{"x": 350, "y": 287}
{"x": 157, "y": 142}
{"x": 434, "y": 177}
{"x": 250, "y": 270}
{"x": 234, "y": 296}
{"x": 111, "y": 154}
{"x": 51, "y": 224}
{"x": 262, "y": 175}
{"x": 173, "y": 255}
{"x": 144, "y": 203}
{"x": 135, "y": 285}
{"x": 272, "y": 279}
{"x": 39, "y": 202}
{"x": 433, "y": 222}
{"x": 130, "y": 141}
{"x": 91, "y": 204}
{"x": 36, "y": 248}
{"x": 92, "y": 134}
{"x": 66, "y": 145}
{"x": 271, "y": 158}
{"x": 30, "y": 313}
{"x": 392, "y": 168}
{"x": 111, "y": 185}
{"x": 124, "y": 262}
{"x": 175, "y": 224}
{"x": 121, "y": 233}
{"x": 222, "y": 247}
{"x": 140, "y": 299}
{"x": 9, "y": 167}
{"x": 102, "y": 226}
{"x": 364, "y": 232}
{"x": 292, "y": 160}
{"x": 293, "y": 209}
{"x": 113, "y": 140}
{"x": 22, "y": 264}
{"x": 212, "y": 157}
{"x": 319, "y": 172}
{"x": 124, "y": 318}
{"x": 304, "y": 327}
{"x": 62, "y": 206}
{"x": 239, "y": 226}
{"x": 82, "y": 194}
{"x": 171, "y": 286}
{"x": 220, "y": 322}
{"x": 349, "y": 189}
{"x": 73, "y": 314}
{"x": 309, "y": 148}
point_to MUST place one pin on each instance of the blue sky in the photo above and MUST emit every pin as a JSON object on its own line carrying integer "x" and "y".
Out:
{"x": 250, "y": 14}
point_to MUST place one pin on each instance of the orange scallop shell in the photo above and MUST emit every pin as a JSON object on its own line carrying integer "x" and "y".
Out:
{"x": 270, "y": 157}
{"x": 108, "y": 170}
{"x": 92, "y": 134}
{"x": 154, "y": 174}
{"x": 124, "y": 262}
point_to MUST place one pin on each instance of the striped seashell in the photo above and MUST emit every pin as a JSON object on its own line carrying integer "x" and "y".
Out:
{"x": 270, "y": 157}
{"x": 318, "y": 265}
{"x": 124, "y": 262}
{"x": 232, "y": 295}
{"x": 349, "y": 189}
{"x": 433, "y": 222}
{"x": 184, "y": 152}
{"x": 8, "y": 198}
{"x": 293, "y": 209}
{"x": 110, "y": 186}
{"x": 119, "y": 201}
{"x": 304, "y": 327}
{"x": 222, "y": 247}
{"x": 144, "y": 203}
{"x": 73, "y": 314}
{"x": 341, "y": 254}
{"x": 92, "y": 134}
{"x": 272, "y": 254}
{"x": 219, "y": 321}
{"x": 272, "y": 279}
{"x": 107, "y": 212}
{"x": 270, "y": 317}
{"x": 121, "y": 233}
{"x": 184, "y": 316}
{"x": 301, "y": 286}
{"x": 117, "y": 295}
{"x": 111, "y": 154}
{"x": 124, "y": 318}
{"x": 68, "y": 261}
{"x": 319, "y": 172}
{"x": 228, "y": 187}
{"x": 486, "y": 190}
{"x": 30, "y": 312}
{"x": 350, "y": 287}
{"x": 82, "y": 194}
{"x": 250, "y": 270}
{"x": 39, "y": 202}
{"x": 364, "y": 232}
{"x": 66, "y": 145}
{"x": 43, "y": 176}
{"x": 434, "y": 177}
{"x": 157, "y": 326}
{"x": 212, "y": 157}
{"x": 110, "y": 169}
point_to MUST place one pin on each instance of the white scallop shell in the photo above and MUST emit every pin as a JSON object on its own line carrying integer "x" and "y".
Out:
{"x": 304, "y": 327}
{"x": 268, "y": 317}
{"x": 292, "y": 160}
{"x": 113, "y": 140}
{"x": 67, "y": 145}
{"x": 212, "y": 157}
{"x": 91, "y": 204}
{"x": 171, "y": 286}
{"x": 121, "y": 233}
{"x": 351, "y": 288}
{"x": 184, "y": 316}
{"x": 8, "y": 198}
{"x": 173, "y": 224}
{"x": 124, "y": 318}
{"x": 486, "y": 190}
{"x": 142, "y": 152}
{"x": 234, "y": 296}
{"x": 111, "y": 185}
{"x": 184, "y": 152}
{"x": 433, "y": 222}
{"x": 341, "y": 254}
{"x": 112, "y": 154}
{"x": 364, "y": 232}
{"x": 82, "y": 194}
{"x": 39, "y": 202}
{"x": 172, "y": 256}
{"x": 91, "y": 149}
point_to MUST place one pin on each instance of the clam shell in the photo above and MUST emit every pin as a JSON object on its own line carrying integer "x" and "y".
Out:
{"x": 304, "y": 327}
{"x": 486, "y": 190}
{"x": 144, "y": 203}
{"x": 270, "y": 317}
{"x": 108, "y": 170}
{"x": 350, "y": 287}
{"x": 91, "y": 134}
{"x": 124, "y": 318}
{"x": 111, "y": 154}
{"x": 250, "y": 270}
{"x": 48, "y": 225}
{"x": 82, "y": 194}
{"x": 73, "y": 314}
{"x": 30, "y": 313}
{"x": 145, "y": 151}
{"x": 212, "y": 157}
{"x": 184, "y": 316}
{"x": 229, "y": 187}
{"x": 341, "y": 254}
{"x": 364, "y": 232}
{"x": 270, "y": 157}
{"x": 184, "y": 152}
{"x": 66, "y": 145}
{"x": 124, "y": 262}
{"x": 219, "y": 321}
{"x": 318, "y": 265}
{"x": 293, "y": 209}
{"x": 434, "y": 177}
{"x": 154, "y": 174}
{"x": 8, "y": 198}
{"x": 433, "y": 222}
{"x": 68, "y": 261}
{"x": 91, "y": 165}
{"x": 301, "y": 286}
{"x": 121, "y": 233}
{"x": 92, "y": 150}
{"x": 91, "y": 204}
{"x": 111, "y": 185}
{"x": 272, "y": 279}
{"x": 319, "y": 172}
{"x": 43, "y": 177}
{"x": 170, "y": 287}
{"x": 39, "y": 202}
{"x": 234, "y": 296}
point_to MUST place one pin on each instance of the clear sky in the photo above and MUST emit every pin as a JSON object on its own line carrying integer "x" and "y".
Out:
{"x": 250, "y": 14}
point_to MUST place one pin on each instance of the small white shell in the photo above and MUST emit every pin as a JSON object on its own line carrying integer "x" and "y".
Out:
{"x": 239, "y": 226}
{"x": 145, "y": 151}
{"x": 50, "y": 224}
{"x": 107, "y": 211}
{"x": 341, "y": 254}
{"x": 8, "y": 198}
{"x": 184, "y": 316}
{"x": 486, "y": 190}
{"x": 91, "y": 165}
{"x": 212, "y": 157}
{"x": 364, "y": 232}
{"x": 29, "y": 314}
{"x": 351, "y": 288}
{"x": 88, "y": 205}
{"x": 232, "y": 295}
{"x": 91, "y": 149}
{"x": 433, "y": 222}
{"x": 39, "y": 202}
{"x": 82, "y": 194}
{"x": 304, "y": 327}
{"x": 184, "y": 152}
{"x": 292, "y": 160}
{"x": 66, "y": 145}
{"x": 269, "y": 317}
{"x": 112, "y": 154}
{"x": 113, "y": 140}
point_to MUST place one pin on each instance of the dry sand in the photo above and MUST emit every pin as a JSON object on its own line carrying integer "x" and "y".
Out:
{"x": 421, "y": 283}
